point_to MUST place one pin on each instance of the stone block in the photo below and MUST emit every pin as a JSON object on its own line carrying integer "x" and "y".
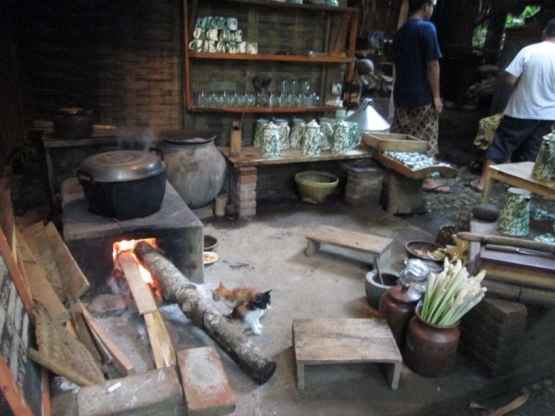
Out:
{"x": 403, "y": 195}
{"x": 251, "y": 203}
{"x": 246, "y": 171}
{"x": 205, "y": 384}
{"x": 247, "y": 212}
{"x": 484, "y": 323}
{"x": 502, "y": 311}
{"x": 155, "y": 392}
{"x": 246, "y": 188}
{"x": 246, "y": 196}
{"x": 247, "y": 179}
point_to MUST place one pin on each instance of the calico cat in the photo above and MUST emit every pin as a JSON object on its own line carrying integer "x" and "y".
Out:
{"x": 247, "y": 315}
{"x": 233, "y": 297}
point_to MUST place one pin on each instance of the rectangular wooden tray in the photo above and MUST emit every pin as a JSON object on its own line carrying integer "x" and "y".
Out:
{"x": 394, "y": 142}
{"x": 446, "y": 171}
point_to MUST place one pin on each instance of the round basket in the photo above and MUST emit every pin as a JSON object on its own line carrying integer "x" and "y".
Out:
{"x": 315, "y": 187}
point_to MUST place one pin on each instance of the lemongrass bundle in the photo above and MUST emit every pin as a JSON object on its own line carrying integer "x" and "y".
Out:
{"x": 451, "y": 294}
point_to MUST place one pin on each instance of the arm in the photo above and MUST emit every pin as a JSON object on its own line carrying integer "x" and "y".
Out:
{"x": 433, "y": 79}
{"x": 511, "y": 80}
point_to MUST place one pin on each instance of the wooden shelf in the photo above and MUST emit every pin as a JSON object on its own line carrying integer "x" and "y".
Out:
{"x": 263, "y": 109}
{"x": 271, "y": 57}
{"x": 287, "y": 5}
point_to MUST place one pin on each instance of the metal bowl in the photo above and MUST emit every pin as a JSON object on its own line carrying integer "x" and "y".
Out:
{"x": 210, "y": 243}
{"x": 423, "y": 250}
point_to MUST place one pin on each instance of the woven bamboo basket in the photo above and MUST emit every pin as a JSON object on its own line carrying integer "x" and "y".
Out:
{"x": 314, "y": 186}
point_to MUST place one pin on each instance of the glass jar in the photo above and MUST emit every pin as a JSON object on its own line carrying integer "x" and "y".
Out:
{"x": 416, "y": 275}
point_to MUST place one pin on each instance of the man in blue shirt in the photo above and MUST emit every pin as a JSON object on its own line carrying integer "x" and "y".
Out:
{"x": 416, "y": 92}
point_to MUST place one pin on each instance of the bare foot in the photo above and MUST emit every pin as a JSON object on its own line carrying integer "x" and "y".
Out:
{"x": 476, "y": 185}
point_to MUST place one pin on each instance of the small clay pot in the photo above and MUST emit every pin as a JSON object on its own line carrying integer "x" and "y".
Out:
{"x": 374, "y": 288}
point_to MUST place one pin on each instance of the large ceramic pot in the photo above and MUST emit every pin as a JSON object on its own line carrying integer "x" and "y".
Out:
{"x": 196, "y": 168}
{"x": 431, "y": 350}
{"x": 123, "y": 184}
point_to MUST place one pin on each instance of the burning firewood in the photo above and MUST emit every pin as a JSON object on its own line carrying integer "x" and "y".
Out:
{"x": 177, "y": 288}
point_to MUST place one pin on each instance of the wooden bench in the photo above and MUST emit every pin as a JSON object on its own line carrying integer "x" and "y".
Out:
{"x": 378, "y": 247}
{"x": 342, "y": 341}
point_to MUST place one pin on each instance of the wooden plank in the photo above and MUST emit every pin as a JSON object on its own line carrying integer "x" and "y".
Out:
{"x": 152, "y": 329}
{"x": 165, "y": 340}
{"x": 83, "y": 333}
{"x": 141, "y": 292}
{"x": 252, "y": 157}
{"x": 121, "y": 362}
{"x": 35, "y": 277}
{"x": 446, "y": 171}
{"x": 74, "y": 281}
{"x": 351, "y": 239}
{"x": 17, "y": 276}
{"x": 38, "y": 242}
{"x": 7, "y": 222}
{"x": 11, "y": 391}
{"x": 394, "y": 142}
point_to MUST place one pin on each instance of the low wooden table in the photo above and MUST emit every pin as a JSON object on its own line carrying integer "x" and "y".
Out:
{"x": 519, "y": 175}
{"x": 343, "y": 341}
{"x": 379, "y": 247}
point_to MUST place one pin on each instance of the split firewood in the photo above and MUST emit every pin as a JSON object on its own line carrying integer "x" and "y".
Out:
{"x": 61, "y": 353}
{"x": 175, "y": 287}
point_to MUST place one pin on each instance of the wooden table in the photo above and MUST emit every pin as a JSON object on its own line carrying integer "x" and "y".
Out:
{"x": 342, "y": 341}
{"x": 519, "y": 175}
{"x": 251, "y": 156}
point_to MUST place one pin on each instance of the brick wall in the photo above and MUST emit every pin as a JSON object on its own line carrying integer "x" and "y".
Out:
{"x": 123, "y": 59}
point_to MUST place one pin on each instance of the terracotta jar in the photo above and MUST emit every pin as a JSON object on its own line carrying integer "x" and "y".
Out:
{"x": 431, "y": 350}
{"x": 397, "y": 307}
{"x": 196, "y": 168}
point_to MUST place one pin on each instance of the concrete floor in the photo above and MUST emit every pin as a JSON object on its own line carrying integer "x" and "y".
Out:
{"x": 268, "y": 252}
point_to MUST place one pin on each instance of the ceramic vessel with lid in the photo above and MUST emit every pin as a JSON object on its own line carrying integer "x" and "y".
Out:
{"x": 397, "y": 307}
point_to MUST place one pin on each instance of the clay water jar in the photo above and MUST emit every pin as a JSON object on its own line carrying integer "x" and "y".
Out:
{"x": 431, "y": 350}
{"x": 397, "y": 307}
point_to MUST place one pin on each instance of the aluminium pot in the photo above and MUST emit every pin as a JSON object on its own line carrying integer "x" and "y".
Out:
{"x": 124, "y": 184}
{"x": 73, "y": 123}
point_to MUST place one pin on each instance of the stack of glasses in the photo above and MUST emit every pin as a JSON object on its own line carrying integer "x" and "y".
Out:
{"x": 216, "y": 34}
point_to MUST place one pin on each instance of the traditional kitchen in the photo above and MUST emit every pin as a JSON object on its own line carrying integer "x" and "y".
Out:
{"x": 210, "y": 208}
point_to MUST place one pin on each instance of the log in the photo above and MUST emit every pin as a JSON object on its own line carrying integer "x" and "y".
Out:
{"x": 177, "y": 288}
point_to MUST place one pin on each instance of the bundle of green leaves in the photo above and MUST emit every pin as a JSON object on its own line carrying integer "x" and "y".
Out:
{"x": 451, "y": 294}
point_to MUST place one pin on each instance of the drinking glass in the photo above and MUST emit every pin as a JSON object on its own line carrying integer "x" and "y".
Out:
{"x": 305, "y": 86}
{"x": 294, "y": 86}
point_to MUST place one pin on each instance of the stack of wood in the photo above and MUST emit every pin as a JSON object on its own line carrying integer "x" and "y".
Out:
{"x": 70, "y": 342}
{"x": 517, "y": 269}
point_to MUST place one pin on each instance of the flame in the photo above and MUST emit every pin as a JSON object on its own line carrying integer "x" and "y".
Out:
{"x": 122, "y": 246}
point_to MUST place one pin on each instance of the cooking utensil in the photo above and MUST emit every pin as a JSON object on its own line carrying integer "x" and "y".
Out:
{"x": 378, "y": 270}
{"x": 519, "y": 250}
{"x": 423, "y": 250}
{"x": 123, "y": 184}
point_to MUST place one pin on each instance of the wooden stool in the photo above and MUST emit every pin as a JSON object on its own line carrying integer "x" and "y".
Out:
{"x": 342, "y": 341}
{"x": 365, "y": 243}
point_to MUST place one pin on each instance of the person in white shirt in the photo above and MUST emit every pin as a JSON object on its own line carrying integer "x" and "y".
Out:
{"x": 530, "y": 112}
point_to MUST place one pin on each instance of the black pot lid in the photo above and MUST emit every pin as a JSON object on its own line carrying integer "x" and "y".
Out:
{"x": 122, "y": 165}
{"x": 185, "y": 137}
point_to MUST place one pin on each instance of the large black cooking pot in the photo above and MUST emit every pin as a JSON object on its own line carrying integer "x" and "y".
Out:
{"x": 124, "y": 184}
{"x": 73, "y": 123}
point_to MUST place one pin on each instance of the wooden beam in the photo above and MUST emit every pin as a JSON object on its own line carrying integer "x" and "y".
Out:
{"x": 38, "y": 243}
{"x": 141, "y": 292}
{"x": 17, "y": 276}
{"x": 121, "y": 362}
{"x": 152, "y": 329}
{"x": 11, "y": 391}
{"x": 36, "y": 279}
{"x": 74, "y": 281}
